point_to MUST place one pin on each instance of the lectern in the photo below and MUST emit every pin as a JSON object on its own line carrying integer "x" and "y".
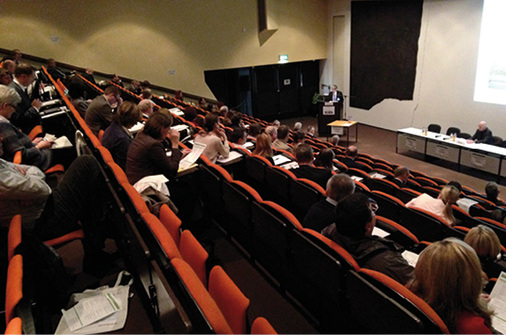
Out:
{"x": 328, "y": 111}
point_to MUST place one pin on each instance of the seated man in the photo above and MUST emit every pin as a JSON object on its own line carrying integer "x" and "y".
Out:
{"x": 492, "y": 191}
{"x": 323, "y": 213}
{"x": 27, "y": 115}
{"x": 281, "y": 142}
{"x": 304, "y": 157}
{"x": 482, "y": 134}
{"x": 32, "y": 153}
{"x": 99, "y": 113}
{"x": 401, "y": 174}
{"x": 54, "y": 71}
{"x": 239, "y": 136}
{"x": 351, "y": 155}
{"x": 272, "y": 132}
{"x": 353, "y": 231}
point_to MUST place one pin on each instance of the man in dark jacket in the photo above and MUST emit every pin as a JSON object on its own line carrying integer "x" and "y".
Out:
{"x": 353, "y": 230}
{"x": 482, "y": 134}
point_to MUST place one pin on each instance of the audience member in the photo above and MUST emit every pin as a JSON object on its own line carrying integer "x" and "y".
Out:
{"x": 353, "y": 231}
{"x": 223, "y": 110}
{"x": 54, "y": 71}
{"x": 297, "y": 126}
{"x": 190, "y": 113}
{"x": 455, "y": 184}
{"x": 5, "y": 77}
{"x": 254, "y": 130}
{"x": 9, "y": 65}
{"x": 276, "y": 123}
{"x": 146, "y": 155}
{"x": 147, "y": 94}
{"x": 236, "y": 120}
{"x": 146, "y": 107}
{"x": 325, "y": 159}
{"x": 88, "y": 75}
{"x": 135, "y": 87}
{"x": 401, "y": 176}
{"x": 202, "y": 103}
{"x": 239, "y": 137}
{"x": 27, "y": 115}
{"x": 263, "y": 147}
{"x": 145, "y": 84}
{"x": 448, "y": 277}
{"x": 351, "y": 155}
{"x": 117, "y": 80}
{"x": 32, "y": 152}
{"x": 487, "y": 246}
{"x": 311, "y": 131}
{"x": 213, "y": 136}
{"x": 272, "y": 132}
{"x": 117, "y": 137}
{"x": 99, "y": 113}
{"x": 15, "y": 55}
{"x": 442, "y": 206}
{"x": 76, "y": 93}
{"x": 281, "y": 141}
{"x": 334, "y": 140}
{"x": 298, "y": 138}
{"x": 492, "y": 191}
{"x": 304, "y": 157}
{"x": 482, "y": 135}
{"x": 323, "y": 212}
{"x": 178, "y": 95}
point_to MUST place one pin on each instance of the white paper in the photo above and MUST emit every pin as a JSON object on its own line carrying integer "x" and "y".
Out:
{"x": 158, "y": 182}
{"x": 138, "y": 126}
{"x": 280, "y": 159}
{"x": 290, "y": 165}
{"x": 377, "y": 175}
{"x": 61, "y": 142}
{"x": 180, "y": 127}
{"x": 466, "y": 203}
{"x": 498, "y": 303}
{"x": 410, "y": 257}
{"x": 379, "y": 232}
{"x": 90, "y": 310}
{"x": 176, "y": 111}
{"x": 249, "y": 145}
{"x": 231, "y": 156}
{"x": 192, "y": 157}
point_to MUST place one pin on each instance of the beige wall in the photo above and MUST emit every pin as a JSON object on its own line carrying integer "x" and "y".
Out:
{"x": 446, "y": 70}
{"x": 146, "y": 39}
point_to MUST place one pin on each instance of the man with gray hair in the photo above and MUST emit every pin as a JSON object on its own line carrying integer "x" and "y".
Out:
{"x": 272, "y": 131}
{"x": 322, "y": 213}
{"x": 492, "y": 191}
{"x": 146, "y": 107}
{"x": 482, "y": 134}
{"x": 13, "y": 140}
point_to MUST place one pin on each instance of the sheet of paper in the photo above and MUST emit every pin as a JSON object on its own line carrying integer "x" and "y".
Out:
{"x": 377, "y": 175}
{"x": 379, "y": 232}
{"x": 180, "y": 127}
{"x": 410, "y": 257}
{"x": 466, "y": 203}
{"x": 90, "y": 310}
{"x": 498, "y": 304}
{"x": 231, "y": 156}
{"x": 280, "y": 159}
{"x": 192, "y": 157}
{"x": 290, "y": 165}
{"x": 61, "y": 142}
{"x": 138, "y": 126}
{"x": 176, "y": 111}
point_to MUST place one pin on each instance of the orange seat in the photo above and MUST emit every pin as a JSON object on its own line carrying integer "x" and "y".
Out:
{"x": 75, "y": 235}
{"x": 14, "y": 287}
{"x": 262, "y": 326}
{"x": 171, "y": 222}
{"x": 194, "y": 254}
{"x": 15, "y": 327}
{"x": 14, "y": 236}
{"x": 163, "y": 235}
{"x": 202, "y": 297}
{"x": 229, "y": 298}
{"x": 37, "y": 130}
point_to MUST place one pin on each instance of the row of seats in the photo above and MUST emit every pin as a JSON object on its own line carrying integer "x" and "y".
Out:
{"x": 184, "y": 253}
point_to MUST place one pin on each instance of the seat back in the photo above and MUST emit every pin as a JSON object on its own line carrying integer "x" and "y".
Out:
{"x": 255, "y": 170}
{"x": 435, "y": 128}
{"x": 194, "y": 254}
{"x": 453, "y": 130}
{"x": 205, "y": 314}
{"x": 262, "y": 327}
{"x": 423, "y": 224}
{"x": 229, "y": 298}
{"x": 14, "y": 287}
{"x": 496, "y": 226}
{"x": 278, "y": 181}
{"x": 303, "y": 194}
{"x": 14, "y": 236}
{"x": 385, "y": 306}
{"x": 171, "y": 222}
{"x": 212, "y": 177}
{"x": 383, "y": 185}
{"x": 161, "y": 236}
{"x": 14, "y": 327}
{"x": 406, "y": 194}
{"x": 388, "y": 205}
{"x": 398, "y": 233}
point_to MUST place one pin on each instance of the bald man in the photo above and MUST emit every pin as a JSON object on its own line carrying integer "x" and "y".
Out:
{"x": 482, "y": 135}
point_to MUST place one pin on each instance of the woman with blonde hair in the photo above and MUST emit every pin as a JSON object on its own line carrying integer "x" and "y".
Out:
{"x": 263, "y": 147}
{"x": 448, "y": 278}
{"x": 487, "y": 246}
{"x": 442, "y": 206}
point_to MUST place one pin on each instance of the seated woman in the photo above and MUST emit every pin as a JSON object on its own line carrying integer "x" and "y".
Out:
{"x": 325, "y": 159}
{"x": 263, "y": 147}
{"x": 441, "y": 206}
{"x": 213, "y": 136}
{"x": 487, "y": 246}
{"x": 117, "y": 137}
{"x": 146, "y": 155}
{"x": 448, "y": 278}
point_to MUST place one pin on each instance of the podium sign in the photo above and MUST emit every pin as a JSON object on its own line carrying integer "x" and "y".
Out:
{"x": 329, "y": 110}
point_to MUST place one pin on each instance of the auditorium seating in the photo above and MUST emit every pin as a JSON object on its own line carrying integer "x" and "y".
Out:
{"x": 262, "y": 326}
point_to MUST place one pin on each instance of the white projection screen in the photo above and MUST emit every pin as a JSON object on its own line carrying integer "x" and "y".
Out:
{"x": 490, "y": 83}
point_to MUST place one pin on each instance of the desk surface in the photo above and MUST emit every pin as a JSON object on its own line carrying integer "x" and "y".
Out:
{"x": 342, "y": 123}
